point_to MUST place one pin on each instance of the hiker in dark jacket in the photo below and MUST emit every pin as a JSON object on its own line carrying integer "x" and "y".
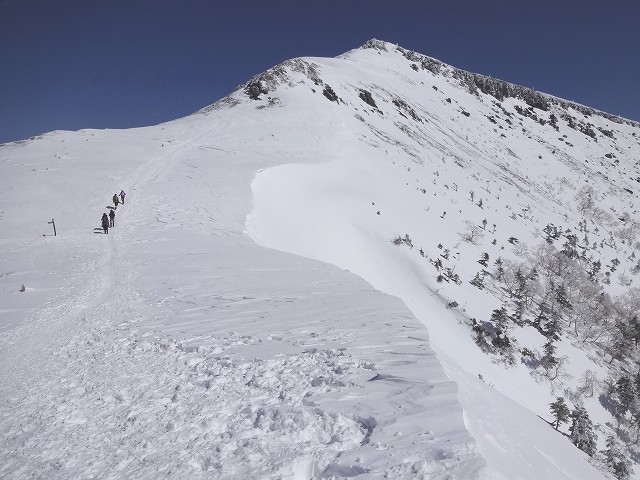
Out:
{"x": 112, "y": 218}
{"x": 122, "y": 194}
{"x": 105, "y": 223}
{"x": 116, "y": 200}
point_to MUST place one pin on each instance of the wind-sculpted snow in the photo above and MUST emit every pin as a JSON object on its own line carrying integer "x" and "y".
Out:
{"x": 249, "y": 315}
{"x": 461, "y": 160}
{"x": 175, "y": 346}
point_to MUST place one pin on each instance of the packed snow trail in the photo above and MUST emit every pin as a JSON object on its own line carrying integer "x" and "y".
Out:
{"x": 178, "y": 347}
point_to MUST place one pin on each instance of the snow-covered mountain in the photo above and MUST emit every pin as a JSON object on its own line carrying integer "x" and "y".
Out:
{"x": 302, "y": 283}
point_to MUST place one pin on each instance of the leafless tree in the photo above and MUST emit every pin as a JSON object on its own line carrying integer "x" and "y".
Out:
{"x": 473, "y": 233}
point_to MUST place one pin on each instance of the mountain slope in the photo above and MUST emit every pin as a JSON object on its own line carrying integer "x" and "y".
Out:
{"x": 176, "y": 345}
{"x": 433, "y": 160}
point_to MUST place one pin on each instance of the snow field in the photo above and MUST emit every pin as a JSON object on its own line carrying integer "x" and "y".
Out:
{"x": 214, "y": 333}
{"x": 182, "y": 349}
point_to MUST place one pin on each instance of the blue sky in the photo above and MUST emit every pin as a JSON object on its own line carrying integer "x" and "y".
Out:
{"x": 72, "y": 64}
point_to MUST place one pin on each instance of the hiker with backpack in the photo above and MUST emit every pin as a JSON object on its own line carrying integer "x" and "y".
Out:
{"x": 105, "y": 223}
{"x": 122, "y": 194}
{"x": 116, "y": 200}
{"x": 112, "y": 218}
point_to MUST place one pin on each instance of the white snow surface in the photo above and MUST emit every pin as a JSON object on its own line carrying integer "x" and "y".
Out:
{"x": 248, "y": 315}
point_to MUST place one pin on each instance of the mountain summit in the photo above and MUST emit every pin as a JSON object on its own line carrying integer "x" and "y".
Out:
{"x": 372, "y": 266}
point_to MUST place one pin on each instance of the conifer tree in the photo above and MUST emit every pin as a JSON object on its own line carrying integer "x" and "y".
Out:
{"x": 500, "y": 320}
{"x": 519, "y": 297}
{"x": 477, "y": 281}
{"x": 551, "y": 233}
{"x": 615, "y": 460}
{"x": 549, "y": 361}
{"x": 547, "y": 322}
{"x": 560, "y": 412}
{"x": 625, "y": 392}
{"x": 541, "y": 317}
{"x": 480, "y": 334}
{"x": 620, "y": 342}
{"x": 553, "y": 329}
{"x": 518, "y": 312}
{"x": 569, "y": 248}
{"x": 499, "y": 273}
{"x": 562, "y": 298}
{"x": 501, "y": 341}
{"x": 581, "y": 431}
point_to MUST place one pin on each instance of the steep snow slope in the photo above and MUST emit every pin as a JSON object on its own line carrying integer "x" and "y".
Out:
{"x": 432, "y": 157}
{"x": 177, "y": 346}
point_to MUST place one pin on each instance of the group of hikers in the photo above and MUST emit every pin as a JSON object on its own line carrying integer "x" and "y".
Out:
{"x": 110, "y": 220}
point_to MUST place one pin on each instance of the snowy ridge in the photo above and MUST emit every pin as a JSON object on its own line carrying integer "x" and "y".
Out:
{"x": 499, "y": 89}
{"x": 444, "y": 146}
{"x": 218, "y": 331}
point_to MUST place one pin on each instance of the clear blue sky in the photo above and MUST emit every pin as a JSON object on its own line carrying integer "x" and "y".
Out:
{"x": 72, "y": 64}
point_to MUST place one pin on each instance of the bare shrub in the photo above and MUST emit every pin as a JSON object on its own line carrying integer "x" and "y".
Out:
{"x": 473, "y": 233}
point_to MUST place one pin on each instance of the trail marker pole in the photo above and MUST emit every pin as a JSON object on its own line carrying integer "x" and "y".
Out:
{"x": 54, "y": 227}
